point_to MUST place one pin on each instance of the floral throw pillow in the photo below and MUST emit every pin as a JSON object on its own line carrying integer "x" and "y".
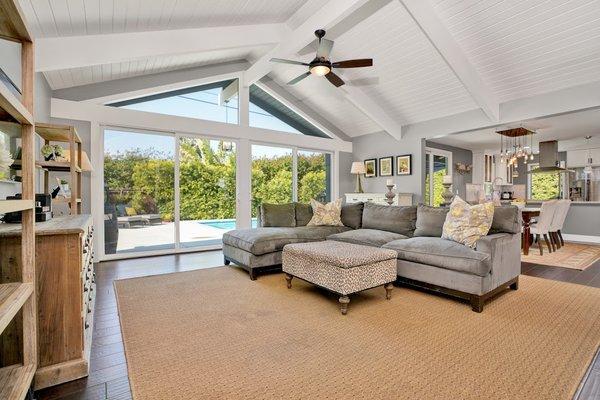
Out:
{"x": 326, "y": 214}
{"x": 465, "y": 223}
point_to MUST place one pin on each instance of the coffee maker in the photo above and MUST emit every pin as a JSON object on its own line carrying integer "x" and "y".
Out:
{"x": 43, "y": 209}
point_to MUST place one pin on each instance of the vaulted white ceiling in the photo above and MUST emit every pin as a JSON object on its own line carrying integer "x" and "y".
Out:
{"x": 509, "y": 50}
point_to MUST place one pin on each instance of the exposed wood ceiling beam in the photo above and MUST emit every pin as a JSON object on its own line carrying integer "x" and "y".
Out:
{"x": 440, "y": 37}
{"x": 80, "y": 51}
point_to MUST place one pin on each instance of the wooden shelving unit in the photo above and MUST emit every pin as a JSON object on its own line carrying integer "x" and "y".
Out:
{"x": 63, "y": 134}
{"x": 17, "y": 297}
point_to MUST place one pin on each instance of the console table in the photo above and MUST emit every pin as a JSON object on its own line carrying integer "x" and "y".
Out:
{"x": 401, "y": 199}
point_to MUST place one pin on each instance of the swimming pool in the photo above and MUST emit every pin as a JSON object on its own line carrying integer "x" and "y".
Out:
{"x": 226, "y": 224}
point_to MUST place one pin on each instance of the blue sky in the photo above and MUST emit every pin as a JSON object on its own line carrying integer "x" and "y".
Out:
{"x": 202, "y": 105}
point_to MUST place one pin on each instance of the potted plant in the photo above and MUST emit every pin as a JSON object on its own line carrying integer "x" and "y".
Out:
{"x": 51, "y": 152}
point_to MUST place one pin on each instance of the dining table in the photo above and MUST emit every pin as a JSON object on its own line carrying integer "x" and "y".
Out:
{"x": 528, "y": 213}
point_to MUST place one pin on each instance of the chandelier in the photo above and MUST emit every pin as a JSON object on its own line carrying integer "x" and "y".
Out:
{"x": 515, "y": 144}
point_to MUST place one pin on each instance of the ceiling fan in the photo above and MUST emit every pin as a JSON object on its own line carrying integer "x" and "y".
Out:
{"x": 321, "y": 65}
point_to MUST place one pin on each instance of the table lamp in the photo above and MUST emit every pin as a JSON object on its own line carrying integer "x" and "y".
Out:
{"x": 357, "y": 169}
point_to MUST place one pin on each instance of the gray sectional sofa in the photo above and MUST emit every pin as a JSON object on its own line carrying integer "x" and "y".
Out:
{"x": 414, "y": 232}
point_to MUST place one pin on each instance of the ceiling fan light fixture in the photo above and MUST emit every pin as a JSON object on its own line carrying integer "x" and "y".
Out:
{"x": 320, "y": 70}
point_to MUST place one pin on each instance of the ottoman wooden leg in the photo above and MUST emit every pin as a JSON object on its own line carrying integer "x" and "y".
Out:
{"x": 344, "y": 300}
{"x": 388, "y": 290}
{"x": 289, "y": 278}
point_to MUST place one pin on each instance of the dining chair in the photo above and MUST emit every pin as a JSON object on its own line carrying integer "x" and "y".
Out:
{"x": 558, "y": 221}
{"x": 542, "y": 226}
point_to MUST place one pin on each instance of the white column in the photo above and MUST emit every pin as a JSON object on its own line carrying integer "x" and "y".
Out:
{"x": 97, "y": 183}
{"x": 243, "y": 175}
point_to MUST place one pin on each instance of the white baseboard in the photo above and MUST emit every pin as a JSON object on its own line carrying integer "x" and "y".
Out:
{"x": 581, "y": 238}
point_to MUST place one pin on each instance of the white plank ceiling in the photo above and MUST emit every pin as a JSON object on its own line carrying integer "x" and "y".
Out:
{"x": 519, "y": 48}
{"x": 51, "y": 18}
{"x": 524, "y": 48}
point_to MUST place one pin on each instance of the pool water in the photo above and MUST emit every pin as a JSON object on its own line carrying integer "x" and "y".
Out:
{"x": 226, "y": 224}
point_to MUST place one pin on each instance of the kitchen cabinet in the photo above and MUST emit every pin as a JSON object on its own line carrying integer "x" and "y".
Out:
{"x": 579, "y": 158}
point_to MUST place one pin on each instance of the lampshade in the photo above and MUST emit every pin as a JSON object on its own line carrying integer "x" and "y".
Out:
{"x": 357, "y": 168}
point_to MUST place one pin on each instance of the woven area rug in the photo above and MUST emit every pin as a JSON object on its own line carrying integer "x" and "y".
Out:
{"x": 214, "y": 334}
{"x": 571, "y": 255}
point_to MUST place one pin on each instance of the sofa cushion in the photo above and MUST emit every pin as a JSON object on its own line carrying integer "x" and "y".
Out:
{"x": 507, "y": 219}
{"x": 442, "y": 253}
{"x": 399, "y": 219}
{"x": 430, "y": 221}
{"x": 367, "y": 237}
{"x": 304, "y": 213}
{"x": 352, "y": 215}
{"x": 267, "y": 240}
{"x": 278, "y": 215}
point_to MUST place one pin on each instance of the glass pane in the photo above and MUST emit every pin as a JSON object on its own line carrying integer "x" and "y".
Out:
{"x": 314, "y": 176}
{"x": 207, "y": 190}
{"x": 213, "y": 102}
{"x": 139, "y": 170}
{"x": 440, "y": 169}
{"x": 269, "y": 113}
{"x": 544, "y": 186}
{"x": 271, "y": 176}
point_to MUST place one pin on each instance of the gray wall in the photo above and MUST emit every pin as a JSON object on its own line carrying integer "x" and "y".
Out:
{"x": 381, "y": 144}
{"x": 583, "y": 219}
{"x": 346, "y": 180}
{"x": 459, "y": 155}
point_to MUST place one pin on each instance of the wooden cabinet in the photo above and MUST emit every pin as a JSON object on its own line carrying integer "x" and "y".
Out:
{"x": 401, "y": 199}
{"x": 66, "y": 292}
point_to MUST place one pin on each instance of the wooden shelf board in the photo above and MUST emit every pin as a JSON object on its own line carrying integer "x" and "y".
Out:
{"x": 63, "y": 200}
{"x": 53, "y": 166}
{"x": 12, "y": 298}
{"x": 13, "y": 106}
{"x": 12, "y": 22}
{"x": 7, "y": 206}
{"x": 15, "y": 381}
{"x": 56, "y": 133}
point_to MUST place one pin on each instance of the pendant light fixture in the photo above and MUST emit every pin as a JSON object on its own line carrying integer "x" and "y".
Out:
{"x": 513, "y": 145}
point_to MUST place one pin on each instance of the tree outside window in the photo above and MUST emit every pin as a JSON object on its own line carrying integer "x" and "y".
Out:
{"x": 544, "y": 186}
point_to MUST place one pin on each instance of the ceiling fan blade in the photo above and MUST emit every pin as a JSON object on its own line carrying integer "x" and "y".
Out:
{"x": 334, "y": 79}
{"x": 362, "y": 62}
{"x": 298, "y": 78}
{"x": 284, "y": 61}
{"x": 324, "y": 48}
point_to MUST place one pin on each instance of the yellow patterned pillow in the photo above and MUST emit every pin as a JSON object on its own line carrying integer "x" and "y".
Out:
{"x": 329, "y": 214}
{"x": 465, "y": 223}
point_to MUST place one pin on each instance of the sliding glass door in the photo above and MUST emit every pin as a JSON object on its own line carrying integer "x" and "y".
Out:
{"x": 165, "y": 191}
{"x": 207, "y": 194}
{"x": 272, "y": 176}
{"x": 139, "y": 200}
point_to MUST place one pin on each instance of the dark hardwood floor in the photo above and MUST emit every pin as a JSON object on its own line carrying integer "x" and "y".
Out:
{"x": 108, "y": 368}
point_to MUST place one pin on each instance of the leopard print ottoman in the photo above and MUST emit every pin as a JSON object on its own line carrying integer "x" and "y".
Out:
{"x": 343, "y": 268}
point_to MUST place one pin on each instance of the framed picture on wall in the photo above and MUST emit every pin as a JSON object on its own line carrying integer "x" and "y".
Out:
{"x": 386, "y": 166}
{"x": 404, "y": 164}
{"x": 371, "y": 168}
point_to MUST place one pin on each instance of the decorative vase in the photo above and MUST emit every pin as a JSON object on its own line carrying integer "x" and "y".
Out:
{"x": 447, "y": 194}
{"x": 389, "y": 196}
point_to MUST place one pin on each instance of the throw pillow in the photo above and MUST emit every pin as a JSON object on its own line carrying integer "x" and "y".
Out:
{"x": 352, "y": 215}
{"x": 278, "y": 215}
{"x": 326, "y": 214}
{"x": 465, "y": 224}
{"x": 303, "y": 214}
{"x": 130, "y": 211}
{"x": 430, "y": 220}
